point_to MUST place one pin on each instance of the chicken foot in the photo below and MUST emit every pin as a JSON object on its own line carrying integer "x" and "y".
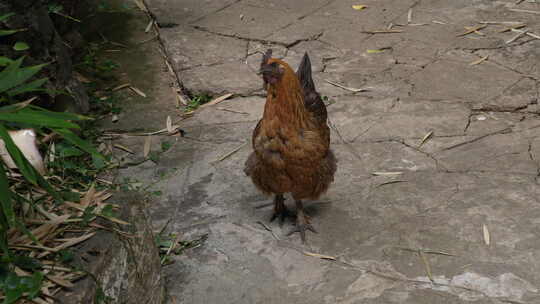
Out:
{"x": 280, "y": 210}
{"x": 302, "y": 222}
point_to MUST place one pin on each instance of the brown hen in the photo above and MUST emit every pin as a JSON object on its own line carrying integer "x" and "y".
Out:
{"x": 291, "y": 142}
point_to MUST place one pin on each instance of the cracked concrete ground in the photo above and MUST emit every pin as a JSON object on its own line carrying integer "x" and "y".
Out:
{"x": 389, "y": 234}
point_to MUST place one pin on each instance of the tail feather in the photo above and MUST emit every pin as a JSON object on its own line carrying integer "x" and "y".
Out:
{"x": 304, "y": 74}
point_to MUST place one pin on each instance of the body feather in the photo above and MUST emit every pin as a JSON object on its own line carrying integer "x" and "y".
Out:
{"x": 291, "y": 142}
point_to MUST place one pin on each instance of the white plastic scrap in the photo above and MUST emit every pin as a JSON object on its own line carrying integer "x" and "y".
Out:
{"x": 25, "y": 140}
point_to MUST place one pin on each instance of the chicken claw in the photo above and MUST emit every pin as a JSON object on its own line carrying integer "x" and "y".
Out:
{"x": 302, "y": 223}
{"x": 280, "y": 210}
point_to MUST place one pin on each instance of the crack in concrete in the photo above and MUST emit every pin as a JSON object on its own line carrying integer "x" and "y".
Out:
{"x": 339, "y": 50}
{"x": 501, "y": 109}
{"x": 473, "y": 171}
{"x": 182, "y": 92}
{"x": 325, "y": 61}
{"x": 503, "y": 131}
{"x": 395, "y": 276}
{"x": 216, "y": 11}
{"x": 439, "y": 166}
{"x": 201, "y": 65}
{"x": 299, "y": 19}
{"x": 502, "y": 46}
{"x": 263, "y": 41}
{"x": 366, "y": 130}
{"x": 531, "y": 156}
{"x": 468, "y": 124}
{"x": 514, "y": 70}
{"x": 385, "y": 273}
{"x": 347, "y": 144}
{"x": 316, "y": 10}
{"x": 415, "y": 3}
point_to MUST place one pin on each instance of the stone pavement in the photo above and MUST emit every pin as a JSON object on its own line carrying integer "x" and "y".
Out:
{"x": 456, "y": 114}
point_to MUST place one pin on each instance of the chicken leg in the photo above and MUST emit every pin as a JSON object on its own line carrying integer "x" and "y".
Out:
{"x": 280, "y": 210}
{"x": 302, "y": 222}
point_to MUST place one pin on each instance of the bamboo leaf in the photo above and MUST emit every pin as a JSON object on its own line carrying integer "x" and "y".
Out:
{"x": 4, "y": 17}
{"x": 4, "y": 61}
{"x": 5, "y": 197}
{"x": 487, "y": 238}
{"x": 20, "y": 225}
{"x": 28, "y": 87}
{"x": 14, "y": 75}
{"x": 359, "y": 7}
{"x": 9, "y": 70}
{"x": 77, "y": 141}
{"x": 17, "y": 106}
{"x": 34, "y": 284}
{"x": 58, "y": 115}
{"x": 40, "y": 118}
{"x": 320, "y": 256}
{"x": 8, "y": 32}
{"x": 21, "y": 46}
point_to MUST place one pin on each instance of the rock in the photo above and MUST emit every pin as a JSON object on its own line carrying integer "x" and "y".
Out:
{"x": 127, "y": 268}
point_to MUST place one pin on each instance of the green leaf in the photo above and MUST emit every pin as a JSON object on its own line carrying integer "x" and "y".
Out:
{"x": 108, "y": 211}
{"x": 65, "y": 255}
{"x": 79, "y": 142}
{"x": 8, "y": 32}
{"x": 15, "y": 286}
{"x": 4, "y": 17}
{"x": 5, "y": 197}
{"x": 4, "y": 271}
{"x": 8, "y": 71}
{"x": 13, "y": 75}
{"x": 40, "y": 118}
{"x": 19, "y": 224}
{"x": 165, "y": 145}
{"x": 88, "y": 214}
{"x": 154, "y": 156}
{"x": 55, "y": 8}
{"x": 21, "y": 46}
{"x": 14, "y": 107}
{"x": 58, "y": 115}
{"x": 26, "y": 262}
{"x": 4, "y": 246}
{"x": 33, "y": 285}
{"x": 12, "y": 288}
{"x": 71, "y": 196}
{"x": 5, "y": 61}
{"x": 98, "y": 162}
{"x": 67, "y": 150}
{"x": 28, "y": 87}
